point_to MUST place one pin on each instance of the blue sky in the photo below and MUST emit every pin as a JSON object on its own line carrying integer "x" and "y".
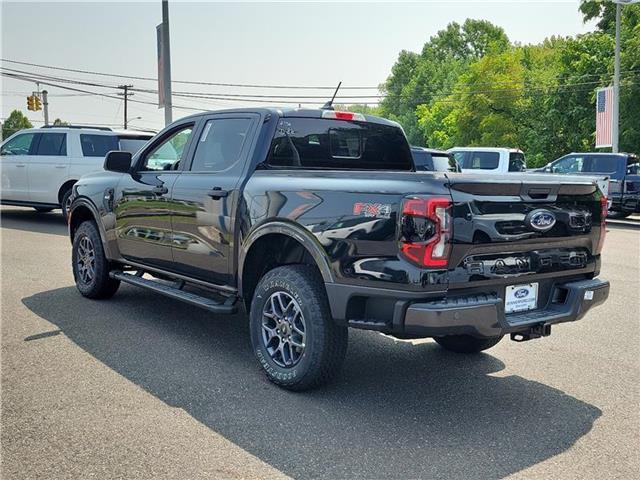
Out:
{"x": 265, "y": 43}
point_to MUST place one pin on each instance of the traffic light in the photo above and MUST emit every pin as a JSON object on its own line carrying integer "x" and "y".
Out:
{"x": 34, "y": 103}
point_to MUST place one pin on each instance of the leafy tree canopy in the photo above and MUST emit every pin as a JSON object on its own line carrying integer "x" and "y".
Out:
{"x": 16, "y": 121}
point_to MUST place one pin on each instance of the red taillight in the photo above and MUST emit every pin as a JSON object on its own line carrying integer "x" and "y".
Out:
{"x": 343, "y": 115}
{"x": 604, "y": 209}
{"x": 434, "y": 250}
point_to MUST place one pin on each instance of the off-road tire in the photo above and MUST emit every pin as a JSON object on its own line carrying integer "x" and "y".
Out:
{"x": 100, "y": 285}
{"x": 325, "y": 343}
{"x": 466, "y": 343}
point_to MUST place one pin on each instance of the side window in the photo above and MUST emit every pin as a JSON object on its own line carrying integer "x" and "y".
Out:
{"x": 459, "y": 157}
{"x": 517, "y": 162}
{"x": 632, "y": 166}
{"x": 52, "y": 144}
{"x": 568, "y": 165}
{"x": 168, "y": 154}
{"x": 98, "y": 145}
{"x": 482, "y": 160}
{"x": 19, "y": 145}
{"x": 603, "y": 164}
{"x": 220, "y": 144}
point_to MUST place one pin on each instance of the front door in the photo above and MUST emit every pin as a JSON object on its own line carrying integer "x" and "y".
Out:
{"x": 142, "y": 200}
{"x": 15, "y": 155}
{"x": 205, "y": 197}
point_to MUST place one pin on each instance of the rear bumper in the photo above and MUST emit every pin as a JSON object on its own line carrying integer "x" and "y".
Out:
{"x": 479, "y": 315}
{"x": 483, "y": 316}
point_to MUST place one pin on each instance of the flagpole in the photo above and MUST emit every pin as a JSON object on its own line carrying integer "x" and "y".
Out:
{"x": 616, "y": 87}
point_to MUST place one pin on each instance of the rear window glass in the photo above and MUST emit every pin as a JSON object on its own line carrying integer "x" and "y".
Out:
{"x": 338, "y": 144}
{"x": 98, "y": 145}
{"x": 133, "y": 144}
{"x": 52, "y": 144}
{"x": 444, "y": 163}
{"x": 517, "y": 162}
{"x": 481, "y": 160}
{"x": 429, "y": 162}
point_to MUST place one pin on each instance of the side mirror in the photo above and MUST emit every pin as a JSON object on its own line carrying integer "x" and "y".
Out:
{"x": 118, "y": 161}
{"x": 547, "y": 169}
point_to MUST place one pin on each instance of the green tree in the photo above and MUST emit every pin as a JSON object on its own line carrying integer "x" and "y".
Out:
{"x": 421, "y": 79}
{"x": 16, "y": 121}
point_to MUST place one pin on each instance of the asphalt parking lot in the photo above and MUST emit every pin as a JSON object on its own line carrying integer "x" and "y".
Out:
{"x": 146, "y": 387}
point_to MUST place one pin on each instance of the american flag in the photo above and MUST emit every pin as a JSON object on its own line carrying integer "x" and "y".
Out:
{"x": 604, "y": 124}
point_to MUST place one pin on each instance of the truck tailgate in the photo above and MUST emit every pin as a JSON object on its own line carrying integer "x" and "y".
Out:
{"x": 510, "y": 231}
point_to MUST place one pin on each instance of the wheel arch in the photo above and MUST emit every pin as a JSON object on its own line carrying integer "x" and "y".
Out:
{"x": 67, "y": 185}
{"x": 287, "y": 242}
{"x": 82, "y": 210}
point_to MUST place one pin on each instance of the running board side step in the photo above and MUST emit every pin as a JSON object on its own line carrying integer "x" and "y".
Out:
{"x": 226, "y": 307}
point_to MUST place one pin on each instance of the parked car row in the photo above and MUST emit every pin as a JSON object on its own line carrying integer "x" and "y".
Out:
{"x": 617, "y": 173}
{"x": 314, "y": 221}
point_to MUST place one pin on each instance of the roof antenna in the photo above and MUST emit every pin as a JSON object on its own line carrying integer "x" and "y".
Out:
{"x": 329, "y": 104}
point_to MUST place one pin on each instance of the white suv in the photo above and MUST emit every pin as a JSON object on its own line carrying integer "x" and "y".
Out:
{"x": 40, "y": 165}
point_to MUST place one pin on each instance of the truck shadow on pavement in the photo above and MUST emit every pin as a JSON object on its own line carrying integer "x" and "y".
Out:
{"x": 397, "y": 410}
{"x": 28, "y": 220}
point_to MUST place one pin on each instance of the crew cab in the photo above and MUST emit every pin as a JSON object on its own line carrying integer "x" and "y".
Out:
{"x": 40, "y": 165}
{"x": 314, "y": 221}
{"x": 489, "y": 160}
{"x": 621, "y": 170}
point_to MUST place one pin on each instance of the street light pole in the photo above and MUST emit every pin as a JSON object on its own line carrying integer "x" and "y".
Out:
{"x": 166, "y": 60}
{"x": 615, "y": 130}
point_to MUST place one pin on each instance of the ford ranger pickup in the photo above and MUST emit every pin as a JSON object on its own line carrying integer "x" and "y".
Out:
{"x": 314, "y": 221}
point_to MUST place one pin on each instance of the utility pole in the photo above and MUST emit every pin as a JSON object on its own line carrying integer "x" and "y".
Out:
{"x": 615, "y": 113}
{"x": 126, "y": 95}
{"x": 45, "y": 110}
{"x": 615, "y": 130}
{"x": 166, "y": 63}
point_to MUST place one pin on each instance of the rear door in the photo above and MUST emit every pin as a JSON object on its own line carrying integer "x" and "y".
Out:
{"x": 15, "y": 155}
{"x": 204, "y": 198}
{"x": 142, "y": 199}
{"x": 49, "y": 167}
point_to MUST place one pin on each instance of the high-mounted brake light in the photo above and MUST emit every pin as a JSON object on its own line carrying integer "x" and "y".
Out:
{"x": 358, "y": 117}
{"x": 426, "y": 231}
{"x": 604, "y": 210}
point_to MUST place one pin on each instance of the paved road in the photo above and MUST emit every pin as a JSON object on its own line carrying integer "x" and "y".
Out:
{"x": 145, "y": 387}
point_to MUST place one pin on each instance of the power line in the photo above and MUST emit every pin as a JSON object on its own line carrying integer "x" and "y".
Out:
{"x": 188, "y": 82}
{"x": 240, "y": 85}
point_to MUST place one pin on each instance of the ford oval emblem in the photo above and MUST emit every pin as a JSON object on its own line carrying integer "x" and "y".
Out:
{"x": 541, "y": 220}
{"x": 521, "y": 293}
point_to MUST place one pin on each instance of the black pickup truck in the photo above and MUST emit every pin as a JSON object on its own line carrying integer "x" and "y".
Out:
{"x": 314, "y": 221}
{"x": 622, "y": 169}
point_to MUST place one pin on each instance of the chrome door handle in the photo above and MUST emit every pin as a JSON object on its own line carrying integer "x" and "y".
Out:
{"x": 21, "y": 165}
{"x": 60, "y": 166}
